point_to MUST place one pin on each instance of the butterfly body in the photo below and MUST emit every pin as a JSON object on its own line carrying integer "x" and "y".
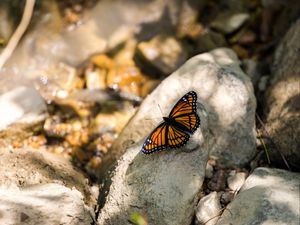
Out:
{"x": 172, "y": 122}
{"x": 175, "y": 130}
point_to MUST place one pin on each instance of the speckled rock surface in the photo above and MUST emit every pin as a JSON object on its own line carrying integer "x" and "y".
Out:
{"x": 43, "y": 204}
{"x": 269, "y": 196}
{"x": 164, "y": 187}
{"x": 22, "y": 108}
{"x": 226, "y": 94}
{"x": 28, "y": 167}
{"x": 283, "y": 100}
{"x": 208, "y": 209}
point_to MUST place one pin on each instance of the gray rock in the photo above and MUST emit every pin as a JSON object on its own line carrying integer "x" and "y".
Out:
{"x": 263, "y": 82}
{"x": 209, "y": 170}
{"x": 163, "y": 187}
{"x": 226, "y": 94}
{"x": 229, "y": 22}
{"x": 30, "y": 167}
{"x": 227, "y": 197}
{"x": 255, "y": 70}
{"x": 188, "y": 16}
{"x": 21, "y": 107}
{"x": 208, "y": 209}
{"x": 50, "y": 41}
{"x": 283, "y": 101}
{"x": 22, "y": 104}
{"x": 284, "y": 14}
{"x": 269, "y": 196}
{"x": 163, "y": 53}
{"x": 209, "y": 40}
{"x": 166, "y": 185}
{"x": 43, "y": 204}
{"x": 236, "y": 180}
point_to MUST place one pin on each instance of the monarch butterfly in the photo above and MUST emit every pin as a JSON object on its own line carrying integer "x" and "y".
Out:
{"x": 176, "y": 129}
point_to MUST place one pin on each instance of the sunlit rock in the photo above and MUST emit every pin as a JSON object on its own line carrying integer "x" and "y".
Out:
{"x": 162, "y": 54}
{"x": 269, "y": 196}
{"x": 43, "y": 204}
{"x": 22, "y": 109}
{"x": 165, "y": 186}
{"x": 208, "y": 209}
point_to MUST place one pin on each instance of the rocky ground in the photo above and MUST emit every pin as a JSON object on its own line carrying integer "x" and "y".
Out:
{"x": 91, "y": 79}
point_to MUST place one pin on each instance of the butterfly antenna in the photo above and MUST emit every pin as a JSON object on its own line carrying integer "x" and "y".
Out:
{"x": 160, "y": 110}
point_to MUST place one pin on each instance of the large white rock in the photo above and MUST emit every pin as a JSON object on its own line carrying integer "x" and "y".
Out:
{"x": 165, "y": 186}
{"x": 22, "y": 108}
{"x": 21, "y": 104}
{"x": 228, "y": 99}
{"x": 269, "y": 196}
{"x": 37, "y": 187}
{"x": 208, "y": 209}
{"x": 43, "y": 204}
{"x": 28, "y": 167}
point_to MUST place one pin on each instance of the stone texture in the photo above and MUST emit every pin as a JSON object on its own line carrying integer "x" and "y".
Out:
{"x": 165, "y": 186}
{"x": 21, "y": 105}
{"x": 43, "y": 204}
{"x": 208, "y": 209}
{"x": 49, "y": 41}
{"x": 269, "y": 196}
{"x": 162, "y": 53}
{"x": 22, "y": 108}
{"x": 229, "y": 22}
{"x": 226, "y": 94}
{"x": 209, "y": 40}
{"x": 283, "y": 100}
{"x": 29, "y": 167}
{"x": 209, "y": 171}
{"x": 188, "y": 16}
{"x": 236, "y": 180}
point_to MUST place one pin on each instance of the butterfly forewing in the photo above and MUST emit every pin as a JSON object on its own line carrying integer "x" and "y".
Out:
{"x": 191, "y": 121}
{"x": 156, "y": 141}
{"x": 185, "y": 112}
{"x": 186, "y": 105}
{"x": 175, "y": 131}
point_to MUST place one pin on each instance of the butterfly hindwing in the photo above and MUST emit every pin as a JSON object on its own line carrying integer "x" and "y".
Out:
{"x": 175, "y": 131}
{"x": 191, "y": 121}
{"x": 157, "y": 140}
{"x": 176, "y": 138}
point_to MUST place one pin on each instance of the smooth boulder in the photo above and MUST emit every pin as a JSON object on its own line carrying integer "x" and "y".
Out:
{"x": 22, "y": 108}
{"x": 165, "y": 186}
{"x": 37, "y": 187}
{"x": 225, "y": 93}
{"x": 283, "y": 101}
{"x": 269, "y": 196}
